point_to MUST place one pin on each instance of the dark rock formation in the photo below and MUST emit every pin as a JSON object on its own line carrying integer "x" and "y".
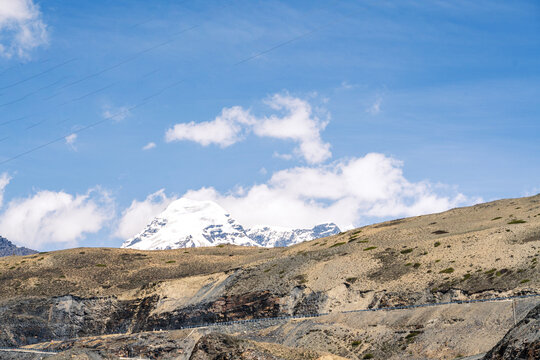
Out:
{"x": 7, "y": 248}
{"x": 522, "y": 342}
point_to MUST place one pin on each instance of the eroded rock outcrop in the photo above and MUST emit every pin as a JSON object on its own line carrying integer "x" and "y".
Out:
{"x": 522, "y": 342}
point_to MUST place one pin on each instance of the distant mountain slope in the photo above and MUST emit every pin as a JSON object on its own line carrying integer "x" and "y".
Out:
{"x": 7, "y": 248}
{"x": 189, "y": 223}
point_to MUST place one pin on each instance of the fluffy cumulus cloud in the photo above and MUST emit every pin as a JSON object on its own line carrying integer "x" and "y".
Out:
{"x": 295, "y": 121}
{"x": 49, "y": 217}
{"x": 21, "y": 28}
{"x": 349, "y": 192}
{"x": 140, "y": 213}
{"x": 225, "y": 130}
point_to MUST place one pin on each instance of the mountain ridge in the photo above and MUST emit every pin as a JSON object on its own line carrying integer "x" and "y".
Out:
{"x": 189, "y": 223}
{"x": 7, "y": 248}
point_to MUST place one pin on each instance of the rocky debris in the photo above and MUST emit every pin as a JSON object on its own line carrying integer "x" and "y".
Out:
{"x": 7, "y": 248}
{"x": 217, "y": 346}
{"x": 522, "y": 342}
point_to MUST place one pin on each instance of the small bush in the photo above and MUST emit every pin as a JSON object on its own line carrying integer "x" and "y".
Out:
{"x": 438, "y": 260}
{"x": 439, "y": 232}
{"x": 416, "y": 265}
{"x": 370, "y": 248}
{"x": 351, "y": 279}
{"x": 524, "y": 281}
{"x": 408, "y": 264}
{"x": 170, "y": 262}
{"x": 101, "y": 265}
{"x": 447, "y": 271}
{"x": 437, "y": 244}
{"x": 412, "y": 335}
{"x": 356, "y": 343}
{"x": 220, "y": 246}
{"x": 496, "y": 218}
{"x": 406, "y": 251}
{"x": 368, "y": 356}
{"x": 490, "y": 272}
{"x": 338, "y": 244}
{"x": 466, "y": 276}
{"x": 517, "y": 221}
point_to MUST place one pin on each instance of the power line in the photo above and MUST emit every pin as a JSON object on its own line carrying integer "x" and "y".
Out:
{"x": 37, "y": 75}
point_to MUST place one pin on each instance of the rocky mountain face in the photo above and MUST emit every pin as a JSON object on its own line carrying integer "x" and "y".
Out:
{"x": 134, "y": 303}
{"x": 7, "y": 248}
{"x": 189, "y": 223}
{"x": 522, "y": 342}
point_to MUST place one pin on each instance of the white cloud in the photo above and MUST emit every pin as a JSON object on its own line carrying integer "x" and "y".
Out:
{"x": 4, "y": 181}
{"x": 149, "y": 146}
{"x": 349, "y": 192}
{"x": 225, "y": 130}
{"x": 21, "y": 28}
{"x": 282, "y": 156}
{"x": 70, "y": 140}
{"x": 375, "y": 108}
{"x": 117, "y": 114}
{"x": 140, "y": 213}
{"x": 296, "y": 122}
{"x": 50, "y": 217}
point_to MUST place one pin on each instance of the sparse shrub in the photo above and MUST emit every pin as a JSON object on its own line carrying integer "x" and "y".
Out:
{"x": 368, "y": 356}
{"x": 439, "y": 232}
{"x": 338, "y": 244}
{"x": 438, "y": 260}
{"x": 82, "y": 253}
{"x": 416, "y": 265}
{"x": 170, "y": 262}
{"x": 356, "y": 343}
{"x": 301, "y": 278}
{"x": 412, "y": 335}
{"x": 406, "y": 251}
{"x": 370, "y": 248}
{"x": 437, "y": 244}
{"x": 466, "y": 276}
{"x": 490, "y": 272}
{"x": 220, "y": 246}
{"x": 408, "y": 264}
{"x": 517, "y": 221}
{"x": 351, "y": 279}
{"x": 524, "y": 281}
{"x": 101, "y": 265}
{"x": 447, "y": 271}
{"x": 496, "y": 218}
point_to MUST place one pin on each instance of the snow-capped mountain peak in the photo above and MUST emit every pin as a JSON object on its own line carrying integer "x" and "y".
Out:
{"x": 190, "y": 223}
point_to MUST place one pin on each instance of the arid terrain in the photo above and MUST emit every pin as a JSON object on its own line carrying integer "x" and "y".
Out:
{"x": 120, "y": 302}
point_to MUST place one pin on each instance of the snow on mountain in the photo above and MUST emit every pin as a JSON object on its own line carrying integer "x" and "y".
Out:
{"x": 189, "y": 223}
{"x": 271, "y": 236}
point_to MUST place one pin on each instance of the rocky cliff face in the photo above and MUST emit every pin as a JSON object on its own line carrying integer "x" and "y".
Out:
{"x": 522, "y": 342}
{"x": 7, "y": 248}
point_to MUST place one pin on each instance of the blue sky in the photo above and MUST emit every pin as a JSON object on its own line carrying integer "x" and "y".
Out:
{"x": 442, "y": 94}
